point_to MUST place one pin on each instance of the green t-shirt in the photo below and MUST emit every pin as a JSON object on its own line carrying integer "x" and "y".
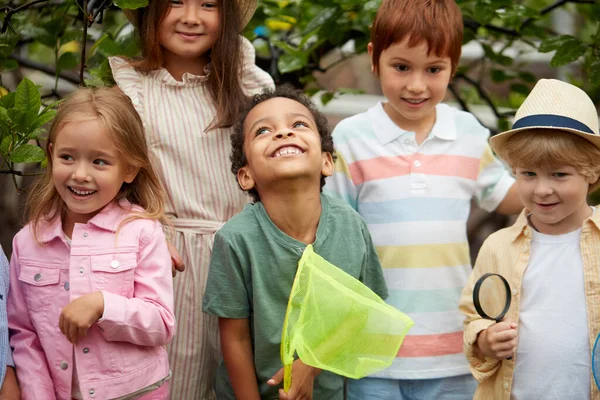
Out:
{"x": 251, "y": 273}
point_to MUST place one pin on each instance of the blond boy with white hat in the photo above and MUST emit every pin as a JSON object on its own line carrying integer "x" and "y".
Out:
{"x": 542, "y": 349}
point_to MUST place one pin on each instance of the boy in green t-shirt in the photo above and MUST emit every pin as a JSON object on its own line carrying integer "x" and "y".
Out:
{"x": 282, "y": 152}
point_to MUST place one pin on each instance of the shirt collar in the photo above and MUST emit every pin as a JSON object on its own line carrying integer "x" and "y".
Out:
{"x": 521, "y": 225}
{"x": 108, "y": 219}
{"x": 387, "y": 131}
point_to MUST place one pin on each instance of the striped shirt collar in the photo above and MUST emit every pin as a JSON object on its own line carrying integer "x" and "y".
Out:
{"x": 387, "y": 131}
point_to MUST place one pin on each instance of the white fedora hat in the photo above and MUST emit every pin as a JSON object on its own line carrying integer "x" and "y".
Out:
{"x": 554, "y": 104}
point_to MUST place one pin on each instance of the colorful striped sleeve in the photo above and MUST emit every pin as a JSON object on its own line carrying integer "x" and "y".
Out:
{"x": 341, "y": 184}
{"x": 493, "y": 181}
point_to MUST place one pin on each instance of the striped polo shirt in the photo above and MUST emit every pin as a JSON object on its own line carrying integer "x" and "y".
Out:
{"x": 416, "y": 201}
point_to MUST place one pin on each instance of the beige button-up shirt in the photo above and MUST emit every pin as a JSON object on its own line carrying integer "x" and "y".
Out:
{"x": 506, "y": 252}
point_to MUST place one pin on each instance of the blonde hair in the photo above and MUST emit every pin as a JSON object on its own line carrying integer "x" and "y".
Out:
{"x": 551, "y": 147}
{"x": 116, "y": 114}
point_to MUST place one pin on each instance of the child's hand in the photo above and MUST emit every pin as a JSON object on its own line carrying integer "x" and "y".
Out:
{"x": 79, "y": 315}
{"x": 302, "y": 381}
{"x": 176, "y": 262}
{"x": 499, "y": 341}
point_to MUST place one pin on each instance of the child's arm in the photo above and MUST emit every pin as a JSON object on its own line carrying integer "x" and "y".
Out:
{"x": 477, "y": 348}
{"x": 511, "y": 204}
{"x": 236, "y": 344}
{"x": 147, "y": 318}
{"x": 10, "y": 388}
{"x": 34, "y": 375}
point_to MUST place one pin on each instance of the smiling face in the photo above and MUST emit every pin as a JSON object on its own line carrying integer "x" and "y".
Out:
{"x": 556, "y": 197}
{"x": 87, "y": 169}
{"x": 281, "y": 144}
{"x": 413, "y": 82}
{"x": 189, "y": 31}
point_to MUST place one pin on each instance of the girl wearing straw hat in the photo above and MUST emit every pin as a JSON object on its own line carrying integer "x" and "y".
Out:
{"x": 542, "y": 349}
{"x": 188, "y": 87}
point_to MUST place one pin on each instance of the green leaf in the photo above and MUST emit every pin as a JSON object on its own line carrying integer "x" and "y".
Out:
{"x": 131, "y": 4}
{"x": 5, "y": 145}
{"x": 19, "y": 119}
{"x": 568, "y": 53}
{"x": 496, "y": 57}
{"x": 8, "y": 64}
{"x": 108, "y": 47}
{"x": 67, "y": 61}
{"x": 27, "y": 153}
{"x": 498, "y": 75}
{"x": 321, "y": 19}
{"x": 28, "y": 98}
{"x": 311, "y": 91}
{"x": 527, "y": 76}
{"x": 42, "y": 119}
{"x": 288, "y": 63}
{"x": 554, "y": 43}
{"x": 4, "y": 116}
{"x": 503, "y": 125}
{"x": 327, "y": 97}
{"x": 8, "y": 100}
{"x": 520, "y": 88}
{"x": 70, "y": 36}
{"x": 37, "y": 134}
{"x": 594, "y": 73}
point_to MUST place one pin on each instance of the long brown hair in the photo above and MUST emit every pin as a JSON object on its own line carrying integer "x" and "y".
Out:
{"x": 116, "y": 114}
{"x": 224, "y": 81}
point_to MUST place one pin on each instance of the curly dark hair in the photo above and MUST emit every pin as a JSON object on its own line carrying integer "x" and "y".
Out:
{"x": 238, "y": 157}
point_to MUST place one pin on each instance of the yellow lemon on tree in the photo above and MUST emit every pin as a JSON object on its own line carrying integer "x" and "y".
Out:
{"x": 70, "y": 47}
{"x": 3, "y": 91}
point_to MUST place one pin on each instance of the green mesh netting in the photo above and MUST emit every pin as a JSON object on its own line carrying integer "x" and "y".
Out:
{"x": 336, "y": 323}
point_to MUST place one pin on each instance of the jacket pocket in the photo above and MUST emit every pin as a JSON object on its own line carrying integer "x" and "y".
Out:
{"x": 40, "y": 285}
{"x": 114, "y": 273}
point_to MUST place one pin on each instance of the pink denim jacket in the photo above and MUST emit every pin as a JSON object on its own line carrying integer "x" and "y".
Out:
{"x": 125, "y": 350}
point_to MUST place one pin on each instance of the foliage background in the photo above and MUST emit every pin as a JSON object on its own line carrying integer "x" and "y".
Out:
{"x": 64, "y": 43}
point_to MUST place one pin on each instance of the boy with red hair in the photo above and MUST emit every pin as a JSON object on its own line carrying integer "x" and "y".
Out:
{"x": 411, "y": 166}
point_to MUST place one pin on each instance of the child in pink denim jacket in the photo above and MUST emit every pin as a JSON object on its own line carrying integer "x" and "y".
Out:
{"x": 91, "y": 298}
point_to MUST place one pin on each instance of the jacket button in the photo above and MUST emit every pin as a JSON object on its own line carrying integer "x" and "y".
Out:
{"x": 86, "y": 350}
{"x": 64, "y": 365}
{"x": 81, "y": 270}
{"x": 92, "y": 392}
{"x": 114, "y": 264}
{"x": 505, "y": 385}
{"x": 85, "y": 234}
{"x": 37, "y": 277}
{"x": 67, "y": 286}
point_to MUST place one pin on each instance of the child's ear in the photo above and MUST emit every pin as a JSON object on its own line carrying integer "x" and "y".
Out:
{"x": 328, "y": 167}
{"x": 593, "y": 179}
{"x": 370, "y": 50}
{"x": 245, "y": 179}
{"x": 130, "y": 174}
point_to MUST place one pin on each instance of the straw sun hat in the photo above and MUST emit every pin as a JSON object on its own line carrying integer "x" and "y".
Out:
{"x": 246, "y": 7}
{"x": 553, "y": 104}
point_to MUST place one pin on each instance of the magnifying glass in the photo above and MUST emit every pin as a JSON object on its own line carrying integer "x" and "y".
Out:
{"x": 491, "y": 297}
{"x": 596, "y": 361}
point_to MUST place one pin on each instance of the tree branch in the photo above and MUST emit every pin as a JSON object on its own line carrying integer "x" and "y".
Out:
{"x": 84, "y": 40}
{"x": 11, "y": 11}
{"x": 552, "y": 7}
{"x": 67, "y": 76}
{"x": 484, "y": 96}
